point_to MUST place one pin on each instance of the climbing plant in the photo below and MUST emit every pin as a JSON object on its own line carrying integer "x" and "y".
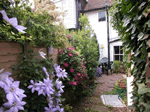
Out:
{"x": 42, "y": 29}
{"x": 131, "y": 19}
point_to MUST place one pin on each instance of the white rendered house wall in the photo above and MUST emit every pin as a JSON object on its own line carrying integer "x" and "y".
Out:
{"x": 100, "y": 28}
{"x": 69, "y": 8}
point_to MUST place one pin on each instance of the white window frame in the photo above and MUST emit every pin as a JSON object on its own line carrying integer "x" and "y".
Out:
{"x": 104, "y": 12}
{"x": 119, "y": 52}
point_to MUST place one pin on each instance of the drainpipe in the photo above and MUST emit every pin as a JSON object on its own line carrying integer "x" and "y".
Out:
{"x": 106, "y": 5}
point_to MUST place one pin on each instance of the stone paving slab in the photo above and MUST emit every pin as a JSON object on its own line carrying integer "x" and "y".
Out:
{"x": 112, "y": 100}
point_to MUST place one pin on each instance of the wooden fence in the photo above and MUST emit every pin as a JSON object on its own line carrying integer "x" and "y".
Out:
{"x": 9, "y": 53}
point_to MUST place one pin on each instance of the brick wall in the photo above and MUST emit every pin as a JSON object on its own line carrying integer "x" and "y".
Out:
{"x": 9, "y": 54}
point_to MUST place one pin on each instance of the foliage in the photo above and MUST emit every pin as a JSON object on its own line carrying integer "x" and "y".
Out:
{"x": 116, "y": 66}
{"x": 42, "y": 29}
{"x": 31, "y": 68}
{"x": 67, "y": 108}
{"x": 86, "y": 44}
{"x": 76, "y": 82}
{"x": 131, "y": 19}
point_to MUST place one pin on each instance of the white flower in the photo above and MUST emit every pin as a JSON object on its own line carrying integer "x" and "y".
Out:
{"x": 13, "y": 21}
{"x": 42, "y": 54}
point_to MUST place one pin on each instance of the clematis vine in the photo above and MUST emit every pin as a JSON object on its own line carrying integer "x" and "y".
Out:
{"x": 13, "y": 21}
{"x": 52, "y": 89}
{"x": 14, "y": 94}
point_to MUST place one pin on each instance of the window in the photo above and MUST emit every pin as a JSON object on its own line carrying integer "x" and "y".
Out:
{"x": 101, "y": 16}
{"x": 118, "y": 53}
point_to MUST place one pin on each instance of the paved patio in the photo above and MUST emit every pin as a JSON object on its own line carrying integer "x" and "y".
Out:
{"x": 104, "y": 84}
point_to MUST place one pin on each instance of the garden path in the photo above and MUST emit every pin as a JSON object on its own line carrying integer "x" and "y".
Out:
{"x": 94, "y": 103}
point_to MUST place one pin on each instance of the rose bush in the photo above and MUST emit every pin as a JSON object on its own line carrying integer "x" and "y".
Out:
{"x": 76, "y": 82}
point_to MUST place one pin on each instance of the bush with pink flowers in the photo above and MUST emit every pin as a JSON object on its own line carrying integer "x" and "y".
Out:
{"x": 76, "y": 82}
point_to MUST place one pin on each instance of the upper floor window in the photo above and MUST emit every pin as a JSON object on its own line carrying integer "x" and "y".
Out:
{"x": 101, "y": 16}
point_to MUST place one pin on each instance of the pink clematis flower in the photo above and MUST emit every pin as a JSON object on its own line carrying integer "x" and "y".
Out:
{"x": 65, "y": 64}
{"x": 70, "y": 54}
{"x": 70, "y": 48}
{"x": 72, "y": 70}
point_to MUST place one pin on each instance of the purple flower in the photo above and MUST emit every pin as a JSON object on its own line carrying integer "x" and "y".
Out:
{"x": 32, "y": 86}
{"x": 59, "y": 85}
{"x": 62, "y": 74}
{"x": 14, "y": 106}
{"x": 45, "y": 70}
{"x": 1, "y": 109}
{"x": 48, "y": 86}
{"x": 57, "y": 68}
{"x": 3, "y": 75}
{"x": 13, "y": 91}
{"x": 13, "y": 21}
{"x": 50, "y": 108}
{"x": 60, "y": 109}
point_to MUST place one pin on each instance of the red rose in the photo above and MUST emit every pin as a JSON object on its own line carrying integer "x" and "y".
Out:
{"x": 70, "y": 48}
{"x": 70, "y": 82}
{"x": 68, "y": 36}
{"x": 70, "y": 54}
{"x": 76, "y": 77}
{"x": 65, "y": 64}
{"x": 72, "y": 70}
{"x": 79, "y": 74}
{"x": 74, "y": 83}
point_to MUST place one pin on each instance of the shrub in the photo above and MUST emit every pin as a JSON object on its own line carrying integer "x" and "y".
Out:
{"x": 116, "y": 66}
{"x": 76, "y": 82}
{"x": 86, "y": 44}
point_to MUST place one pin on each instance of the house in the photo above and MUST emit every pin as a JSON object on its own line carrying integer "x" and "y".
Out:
{"x": 97, "y": 16}
{"x": 72, "y": 9}
{"x": 96, "y": 12}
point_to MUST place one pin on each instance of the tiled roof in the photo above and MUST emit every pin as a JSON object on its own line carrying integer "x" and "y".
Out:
{"x": 95, "y": 4}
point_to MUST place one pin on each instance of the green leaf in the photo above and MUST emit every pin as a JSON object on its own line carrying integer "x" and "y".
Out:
{"x": 142, "y": 4}
{"x": 147, "y": 106}
{"x": 140, "y": 36}
{"x": 142, "y": 88}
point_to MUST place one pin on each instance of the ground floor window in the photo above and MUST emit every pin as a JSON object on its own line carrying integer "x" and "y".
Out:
{"x": 118, "y": 53}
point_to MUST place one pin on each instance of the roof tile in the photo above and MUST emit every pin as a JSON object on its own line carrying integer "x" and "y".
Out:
{"x": 94, "y": 4}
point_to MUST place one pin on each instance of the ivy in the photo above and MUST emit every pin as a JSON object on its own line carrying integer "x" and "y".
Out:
{"x": 131, "y": 19}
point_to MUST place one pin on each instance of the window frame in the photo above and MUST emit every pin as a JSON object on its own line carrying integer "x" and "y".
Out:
{"x": 103, "y": 18}
{"x": 119, "y": 54}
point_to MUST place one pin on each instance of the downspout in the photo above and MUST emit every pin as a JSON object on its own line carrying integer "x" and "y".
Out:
{"x": 77, "y": 14}
{"x": 106, "y": 4}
